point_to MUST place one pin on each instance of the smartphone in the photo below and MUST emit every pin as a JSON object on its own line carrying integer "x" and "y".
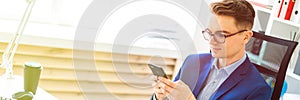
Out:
{"x": 157, "y": 71}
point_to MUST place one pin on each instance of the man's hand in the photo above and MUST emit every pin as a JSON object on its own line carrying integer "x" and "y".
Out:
{"x": 157, "y": 89}
{"x": 174, "y": 90}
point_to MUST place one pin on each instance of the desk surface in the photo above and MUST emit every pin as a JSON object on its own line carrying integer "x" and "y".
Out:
{"x": 11, "y": 86}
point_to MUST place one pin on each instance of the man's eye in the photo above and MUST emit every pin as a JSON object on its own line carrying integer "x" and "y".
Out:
{"x": 219, "y": 35}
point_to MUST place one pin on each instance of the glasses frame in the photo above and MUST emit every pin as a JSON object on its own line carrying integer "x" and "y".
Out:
{"x": 225, "y": 36}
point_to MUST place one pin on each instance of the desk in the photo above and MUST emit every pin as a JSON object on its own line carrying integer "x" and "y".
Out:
{"x": 11, "y": 86}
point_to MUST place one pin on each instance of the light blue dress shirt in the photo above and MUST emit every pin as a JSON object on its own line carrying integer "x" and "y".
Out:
{"x": 216, "y": 77}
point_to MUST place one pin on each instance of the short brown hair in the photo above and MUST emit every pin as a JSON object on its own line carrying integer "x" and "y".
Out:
{"x": 241, "y": 10}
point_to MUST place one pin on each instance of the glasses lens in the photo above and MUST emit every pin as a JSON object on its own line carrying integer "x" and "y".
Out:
{"x": 219, "y": 37}
{"x": 206, "y": 35}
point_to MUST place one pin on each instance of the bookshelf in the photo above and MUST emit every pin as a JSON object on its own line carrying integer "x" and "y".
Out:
{"x": 258, "y": 8}
{"x": 272, "y": 25}
{"x": 266, "y": 21}
{"x": 287, "y": 22}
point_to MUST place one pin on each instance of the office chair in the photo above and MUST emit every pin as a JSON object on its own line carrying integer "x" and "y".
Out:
{"x": 271, "y": 57}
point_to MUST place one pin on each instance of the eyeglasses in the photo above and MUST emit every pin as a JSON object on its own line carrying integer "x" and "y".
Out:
{"x": 219, "y": 36}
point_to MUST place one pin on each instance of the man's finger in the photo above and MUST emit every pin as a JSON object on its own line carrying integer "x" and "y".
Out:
{"x": 166, "y": 88}
{"x": 159, "y": 93}
{"x": 154, "y": 78}
{"x": 158, "y": 90}
{"x": 179, "y": 82}
{"x": 167, "y": 81}
{"x": 154, "y": 84}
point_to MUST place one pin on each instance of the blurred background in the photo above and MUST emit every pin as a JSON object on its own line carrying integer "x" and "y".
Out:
{"x": 49, "y": 36}
{"x": 106, "y": 69}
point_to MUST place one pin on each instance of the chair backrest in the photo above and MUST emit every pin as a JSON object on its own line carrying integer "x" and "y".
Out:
{"x": 271, "y": 57}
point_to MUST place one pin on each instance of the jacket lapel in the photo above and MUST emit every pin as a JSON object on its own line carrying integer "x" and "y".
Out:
{"x": 204, "y": 71}
{"x": 233, "y": 79}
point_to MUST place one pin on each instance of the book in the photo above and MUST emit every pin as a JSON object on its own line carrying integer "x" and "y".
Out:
{"x": 289, "y": 10}
{"x": 295, "y": 16}
{"x": 284, "y": 9}
{"x": 277, "y": 8}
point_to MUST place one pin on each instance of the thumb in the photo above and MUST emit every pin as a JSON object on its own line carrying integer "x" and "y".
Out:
{"x": 180, "y": 83}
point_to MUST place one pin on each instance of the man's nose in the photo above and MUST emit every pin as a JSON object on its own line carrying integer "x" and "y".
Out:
{"x": 212, "y": 41}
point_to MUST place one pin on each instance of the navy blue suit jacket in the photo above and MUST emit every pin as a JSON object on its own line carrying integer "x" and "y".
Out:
{"x": 245, "y": 83}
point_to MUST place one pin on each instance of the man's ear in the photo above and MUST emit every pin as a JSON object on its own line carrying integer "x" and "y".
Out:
{"x": 248, "y": 35}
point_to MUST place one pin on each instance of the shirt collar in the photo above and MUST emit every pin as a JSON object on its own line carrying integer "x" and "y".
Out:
{"x": 230, "y": 68}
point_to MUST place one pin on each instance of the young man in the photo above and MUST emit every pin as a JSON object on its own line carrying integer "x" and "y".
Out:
{"x": 226, "y": 73}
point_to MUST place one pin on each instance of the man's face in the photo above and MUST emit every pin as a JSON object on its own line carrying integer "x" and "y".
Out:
{"x": 232, "y": 45}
